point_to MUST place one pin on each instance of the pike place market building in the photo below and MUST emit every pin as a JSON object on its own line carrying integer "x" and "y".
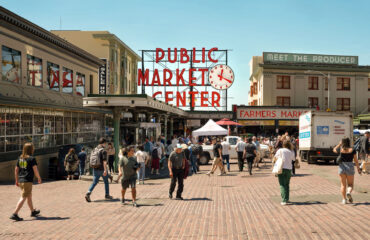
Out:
{"x": 307, "y": 81}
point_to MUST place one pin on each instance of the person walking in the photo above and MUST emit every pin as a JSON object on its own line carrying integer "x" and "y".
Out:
{"x": 98, "y": 160}
{"x": 176, "y": 166}
{"x": 193, "y": 157}
{"x": 156, "y": 156}
{"x": 225, "y": 153}
{"x": 250, "y": 153}
{"x": 127, "y": 168}
{"x": 346, "y": 169}
{"x": 82, "y": 161}
{"x": 111, "y": 155}
{"x": 287, "y": 156}
{"x": 256, "y": 143}
{"x": 217, "y": 160}
{"x": 24, "y": 173}
{"x": 71, "y": 163}
{"x": 240, "y": 146}
{"x": 148, "y": 146}
{"x": 364, "y": 149}
{"x": 141, "y": 158}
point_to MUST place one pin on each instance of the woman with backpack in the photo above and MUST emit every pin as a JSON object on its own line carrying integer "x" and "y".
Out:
{"x": 346, "y": 168}
{"x": 71, "y": 163}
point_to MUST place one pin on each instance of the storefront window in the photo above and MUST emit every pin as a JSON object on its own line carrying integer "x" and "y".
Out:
{"x": 74, "y": 122}
{"x": 81, "y": 123}
{"x": 53, "y": 76}
{"x": 74, "y": 138}
{"x": 59, "y": 124}
{"x": 67, "y": 138}
{"x": 67, "y": 80}
{"x": 38, "y": 141}
{"x": 80, "y": 84}
{"x": 2, "y": 144}
{"x": 59, "y": 139}
{"x": 67, "y": 123}
{"x": 2, "y": 124}
{"x": 12, "y": 125}
{"x": 11, "y": 65}
{"x": 38, "y": 124}
{"x": 12, "y": 144}
{"x": 49, "y": 125}
{"x": 49, "y": 140}
{"x": 34, "y": 71}
{"x": 26, "y": 124}
{"x": 24, "y": 140}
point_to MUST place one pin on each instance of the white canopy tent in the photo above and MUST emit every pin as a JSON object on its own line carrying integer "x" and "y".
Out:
{"x": 210, "y": 129}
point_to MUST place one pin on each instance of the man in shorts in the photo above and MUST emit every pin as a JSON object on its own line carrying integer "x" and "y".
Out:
{"x": 127, "y": 169}
{"x": 217, "y": 160}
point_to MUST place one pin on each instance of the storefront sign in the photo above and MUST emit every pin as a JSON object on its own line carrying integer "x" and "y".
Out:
{"x": 269, "y": 113}
{"x": 288, "y": 123}
{"x": 257, "y": 123}
{"x": 193, "y": 123}
{"x": 309, "y": 58}
{"x": 103, "y": 78}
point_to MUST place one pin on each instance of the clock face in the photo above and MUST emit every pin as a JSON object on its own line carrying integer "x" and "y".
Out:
{"x": 221, "y": 77}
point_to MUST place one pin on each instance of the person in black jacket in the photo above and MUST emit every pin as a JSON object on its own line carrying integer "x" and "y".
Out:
{"x": 364, "y": 150}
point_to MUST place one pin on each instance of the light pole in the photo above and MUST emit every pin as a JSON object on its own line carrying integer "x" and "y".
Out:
{"x": 328, "y": 77}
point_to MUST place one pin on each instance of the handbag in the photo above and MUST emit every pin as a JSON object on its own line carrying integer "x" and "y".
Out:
{"x": 297, "y": 164}
{"x": 278, "y": 166}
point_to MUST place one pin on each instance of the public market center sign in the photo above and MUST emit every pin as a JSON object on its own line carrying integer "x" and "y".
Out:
{"x": 275, "y": 57}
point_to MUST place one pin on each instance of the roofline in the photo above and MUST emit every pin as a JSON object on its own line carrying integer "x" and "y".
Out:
{"x": 111, "y": 35}
{"x": 25, "y": 25}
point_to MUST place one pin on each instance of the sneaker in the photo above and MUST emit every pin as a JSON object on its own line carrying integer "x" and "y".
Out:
{"x": 134, "y": 204}
{"x": 15, "y": 217}
{"x": 123, "y": 201}
{"x": 283, "y": 203}
{"x": 344, "y": 201}
{"x": 35, "y": 212}
{"x": 87, "y": 197}
{"x": 170, "y": 195}
{"x": 179, "y": 198}
{"x": 108, "y": 197}
{"x": 349, "y": 196}
{"x": 209, "y": 173}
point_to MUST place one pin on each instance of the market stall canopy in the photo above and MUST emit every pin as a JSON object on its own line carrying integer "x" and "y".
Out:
{"x": 210, "y": 129}
{"x": 360, "y": 131}
{"x": 228, "y": 122}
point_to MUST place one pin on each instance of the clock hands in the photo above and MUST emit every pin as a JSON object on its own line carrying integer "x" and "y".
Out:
{"x": 220, "y": 76}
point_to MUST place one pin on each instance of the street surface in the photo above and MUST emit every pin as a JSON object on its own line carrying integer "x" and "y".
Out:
{"x": 236, "y": 206}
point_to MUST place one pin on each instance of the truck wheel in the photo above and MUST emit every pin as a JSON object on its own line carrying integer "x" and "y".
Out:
{"x": 204, "y": 160}
{"x": 311, "y": 160}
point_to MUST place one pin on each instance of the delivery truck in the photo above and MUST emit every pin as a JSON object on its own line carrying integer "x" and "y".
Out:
{"x": 320, "y": 132}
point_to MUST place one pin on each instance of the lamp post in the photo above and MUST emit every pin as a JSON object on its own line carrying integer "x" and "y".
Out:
{"x": 328, "y": 77}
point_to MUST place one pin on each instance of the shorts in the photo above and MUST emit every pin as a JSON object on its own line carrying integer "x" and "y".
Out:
{"x": 346, "y": 168}
{"x": 130, "y": 182}
{"x": 26, "y": 188}
{"x": 216, "y": 160}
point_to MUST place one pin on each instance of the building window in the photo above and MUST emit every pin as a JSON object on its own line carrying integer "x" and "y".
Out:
{"x": 34, "y": 71}
{"x": 283, "y": 82}
{"x": 255, "y": 91}
{"x": 11, "y": 65}
{"x": 343, "y": 83}
{"x": 53, "y": 76}
{"x": 313, "y": 101}
{"x": 343, "y": 104}
{"x": 313, "y": 83}
{"x": 368, "y": 84}
{"x": 255, "y": 103}
{"x": 80, "y": 84}
{"x": 67, "y": 80}
{"x": 283, "y": 101}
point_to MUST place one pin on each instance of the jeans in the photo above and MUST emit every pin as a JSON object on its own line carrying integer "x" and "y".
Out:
{"x": 293, "y": 167}
{"x": 82, "y": 168}
{"x": 111, "y": 163}
{"x": 227, "y": 159}
{"x": 178, "y": 175}
{"x": 193, "y": 159}
{"x": 96, "y": 176}
{"x": 250, "y": 164}
{"x": 141, "y": 172}
{"x": 284, "y": 180}
{"x": 240, "y": 161}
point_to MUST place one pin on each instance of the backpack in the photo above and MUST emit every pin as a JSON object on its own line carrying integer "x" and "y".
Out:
{"x": 197, "y": 149}
{"x": 95, "y": 161}
{"x": 155, "y": 153}
{"x": 70, "y": 158}
{"x": 357, "y": 145}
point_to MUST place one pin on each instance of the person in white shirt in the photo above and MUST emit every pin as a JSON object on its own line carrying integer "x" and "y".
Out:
{"x": 240, "y": 146}
{"x": 225, "y": 153}
{"x": 141, "y": 159}
{"x": 287, "y": 156}
{"x": 175, "y": 141}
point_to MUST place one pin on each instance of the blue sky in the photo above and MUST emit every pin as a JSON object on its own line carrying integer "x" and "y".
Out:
{"x": 247, "y": 27}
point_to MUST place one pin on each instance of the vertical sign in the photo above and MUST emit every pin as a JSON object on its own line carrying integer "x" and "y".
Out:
{"x": 103, "y": 78}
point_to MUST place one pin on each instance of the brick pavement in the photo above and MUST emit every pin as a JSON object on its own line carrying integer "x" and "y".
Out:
{"x": 236, "y": 206}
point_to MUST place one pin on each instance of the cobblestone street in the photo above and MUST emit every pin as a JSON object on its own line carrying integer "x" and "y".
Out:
{"x": 236, "y": 206}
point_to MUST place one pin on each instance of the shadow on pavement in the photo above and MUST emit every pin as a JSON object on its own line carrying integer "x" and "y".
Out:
{"x": 152, "y": 184}
{"x": 364, "y": 203}
{"x": 106, "y": 200}
{"x": 149, "y": 205}
{"x": 301, "y": 175}
{"x": 307, "y": 203}
{"x": 42, "y": 218}
{"x": 198, "y": 199}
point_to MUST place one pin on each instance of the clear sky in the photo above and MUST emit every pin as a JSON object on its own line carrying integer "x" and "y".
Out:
{"x": 247, "y": 27}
